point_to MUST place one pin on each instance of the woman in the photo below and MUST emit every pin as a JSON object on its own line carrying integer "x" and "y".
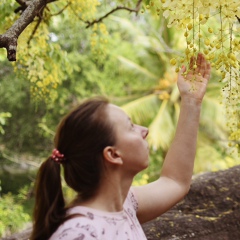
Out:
{"x": 101, "y": 151}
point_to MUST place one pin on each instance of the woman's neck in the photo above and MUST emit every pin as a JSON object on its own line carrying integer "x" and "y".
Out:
{"x": 110, "y": 196}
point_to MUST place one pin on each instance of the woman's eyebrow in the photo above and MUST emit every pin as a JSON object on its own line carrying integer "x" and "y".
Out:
{"x": 129, "y": 119}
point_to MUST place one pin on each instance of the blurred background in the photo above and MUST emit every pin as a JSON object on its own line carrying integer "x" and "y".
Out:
{"x": 60, "y": 62}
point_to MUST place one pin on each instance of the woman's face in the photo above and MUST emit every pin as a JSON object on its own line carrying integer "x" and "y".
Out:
{"x": 131, "y": 141}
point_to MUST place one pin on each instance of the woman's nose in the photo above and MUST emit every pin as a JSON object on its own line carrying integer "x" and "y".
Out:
{"x": 144, "y": 132}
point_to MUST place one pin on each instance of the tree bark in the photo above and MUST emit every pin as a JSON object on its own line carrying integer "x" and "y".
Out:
{"x": 211, "y": 211}
{"x": 9, "y": 39}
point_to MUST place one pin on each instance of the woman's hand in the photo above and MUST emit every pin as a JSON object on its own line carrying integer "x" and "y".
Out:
{"x": 192, "y": 83}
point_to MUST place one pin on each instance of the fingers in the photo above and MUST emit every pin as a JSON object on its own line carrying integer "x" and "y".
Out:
{"x": 201, "y": 64}
{"x": 198, "y": 65}
{"x": 192, "y": 62}
{"x": 203, "y": 67}
{"x": 200, "y": 60}
{"x": 207, "y": 72}
{"x": 199, "y": 68}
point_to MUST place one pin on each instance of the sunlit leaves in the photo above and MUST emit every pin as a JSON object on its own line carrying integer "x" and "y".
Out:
{"x": 12, "y": 216}
{"x": 41, "y": 62}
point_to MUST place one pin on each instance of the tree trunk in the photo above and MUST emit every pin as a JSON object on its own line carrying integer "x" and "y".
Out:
{"x": 211, "y": 211}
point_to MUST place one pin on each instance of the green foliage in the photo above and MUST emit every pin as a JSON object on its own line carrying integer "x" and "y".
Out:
{"x": 66, "y": 60}
{"x": 14, "y": 181}
{"x": 12, "y": 216}
{"x": 124, "y": 58}
{"x": 7, "y": 14}
{"x": 139, "y": 109}
{"x": 21, "y": 131}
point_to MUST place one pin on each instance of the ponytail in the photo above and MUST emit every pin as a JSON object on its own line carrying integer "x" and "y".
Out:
{"x": 49, "y": 202}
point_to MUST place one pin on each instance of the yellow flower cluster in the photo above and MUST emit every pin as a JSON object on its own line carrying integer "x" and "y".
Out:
{"x": 38, "y": 63}
{"x": 99, "y": 41}
{"x": 211, "y": 27}
{"x": 84, "y": 9}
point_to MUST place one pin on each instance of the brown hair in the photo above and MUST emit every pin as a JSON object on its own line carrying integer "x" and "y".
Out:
{"x": 81, "y": 137}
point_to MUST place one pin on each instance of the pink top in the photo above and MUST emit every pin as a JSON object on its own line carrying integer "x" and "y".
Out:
{"x": 99, "y": 225}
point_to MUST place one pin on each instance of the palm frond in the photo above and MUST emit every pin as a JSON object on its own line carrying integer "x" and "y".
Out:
{"x": 127, "y": 25}
{"x": 214, "y": 89}
{"x": 143, "y": 110}
{"x": 132, "y": 65}
{"x": 212, "y": 119}
{"x": 176, "y": 113}
{"x": 149, "y": 42}
{"x": 162, "y": 128}
{"x": 174, "y": 94}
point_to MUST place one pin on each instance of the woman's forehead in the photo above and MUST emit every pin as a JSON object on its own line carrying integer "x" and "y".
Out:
{"x": 116, "y": 112}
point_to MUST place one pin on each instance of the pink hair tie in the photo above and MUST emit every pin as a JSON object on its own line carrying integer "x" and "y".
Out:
{"x": 57, "y": 156}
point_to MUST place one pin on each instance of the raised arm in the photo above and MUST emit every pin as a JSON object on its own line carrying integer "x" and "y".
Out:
{"x": 159, "y": 196}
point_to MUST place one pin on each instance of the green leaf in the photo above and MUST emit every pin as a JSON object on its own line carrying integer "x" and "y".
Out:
{"x": 142, "y": 110}
{"x": 132, "y": 65}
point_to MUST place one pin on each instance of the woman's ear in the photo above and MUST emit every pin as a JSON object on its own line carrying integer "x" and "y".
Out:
{"x": 112, "y": 156}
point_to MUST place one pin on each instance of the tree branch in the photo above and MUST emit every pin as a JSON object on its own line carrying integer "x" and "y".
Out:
{"x": 9, "y": 39}
{"x": 238, "y": 18}
{"x": 136, "y": 10}
{"x": 31, "y": 9}
{"x": 34, "y": 30}
{"x": 22, "y": 7}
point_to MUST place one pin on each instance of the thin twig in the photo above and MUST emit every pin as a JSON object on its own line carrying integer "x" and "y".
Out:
{"x": 136, "y": 10}
{"x": 77, "y": 14}
{"x": 22, "y": 6}
{"x": 34, "y": 30}
{"x": 31, "y": 163}
{"x": 40, "y": 18}
{"x": 21, "y": 2}
{"x": 238, "y": 18}
{"x": 55, "y": 14}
